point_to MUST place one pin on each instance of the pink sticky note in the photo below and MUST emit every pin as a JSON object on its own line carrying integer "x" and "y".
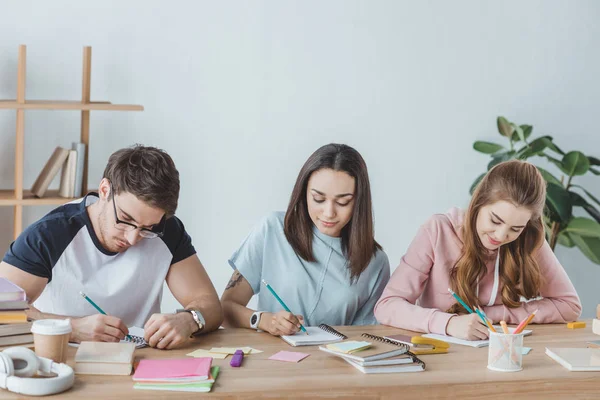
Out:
{"x": 289, "y": 356}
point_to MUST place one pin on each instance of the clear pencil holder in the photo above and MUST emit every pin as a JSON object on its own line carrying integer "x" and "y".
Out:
{"x": 505, "y": 352}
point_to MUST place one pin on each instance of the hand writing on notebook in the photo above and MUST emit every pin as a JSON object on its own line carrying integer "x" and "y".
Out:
{"x": 167, "y": 331}
{"x": 98, "y": 328}
{"x": 281, "y": 323}
{"x": 467, "y": 327}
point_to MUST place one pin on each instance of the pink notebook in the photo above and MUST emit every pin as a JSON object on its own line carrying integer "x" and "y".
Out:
{"x": 11, "y": 292}
{"x": 176, "y": 370}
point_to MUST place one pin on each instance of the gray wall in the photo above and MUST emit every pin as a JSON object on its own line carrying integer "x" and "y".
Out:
{"x": 240, "y": 93}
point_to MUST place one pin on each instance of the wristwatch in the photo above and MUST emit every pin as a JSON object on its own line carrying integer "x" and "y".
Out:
{"x": 255, "y": 319}
{"x": 198, "y": 318}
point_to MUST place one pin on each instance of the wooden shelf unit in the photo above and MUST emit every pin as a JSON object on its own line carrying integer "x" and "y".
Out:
{"x": 18, "y": 197}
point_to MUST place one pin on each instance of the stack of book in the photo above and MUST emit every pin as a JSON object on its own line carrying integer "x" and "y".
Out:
{"x": 71, "y": 179}
{"x": 14, "y": 327}
{"x": 179, "y": 375}
{"x": 372, "y": 354}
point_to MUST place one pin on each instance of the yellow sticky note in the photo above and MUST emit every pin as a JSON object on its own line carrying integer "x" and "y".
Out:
{"x": 206, "y": 353}
{"x": 250, "y": 350}
{"x": 576, "y": 325}
{"x": 230, "y": 350}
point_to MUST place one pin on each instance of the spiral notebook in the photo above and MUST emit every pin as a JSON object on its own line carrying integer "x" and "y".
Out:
{"x": 380, "y": 348}
{"x": 137, "y": 337}
{"x": 317, "y": 335}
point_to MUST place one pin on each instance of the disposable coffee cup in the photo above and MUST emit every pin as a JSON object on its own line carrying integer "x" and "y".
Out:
{"x": 51, "y": 338}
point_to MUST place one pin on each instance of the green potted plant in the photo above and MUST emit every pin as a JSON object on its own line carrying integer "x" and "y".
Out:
{"x": 563, "y": 194}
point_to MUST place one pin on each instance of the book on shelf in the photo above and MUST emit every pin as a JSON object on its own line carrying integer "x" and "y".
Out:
{"x": 47, "y": 174}
{"x": 67, "y": 177}
{"x": 78, "y": 182}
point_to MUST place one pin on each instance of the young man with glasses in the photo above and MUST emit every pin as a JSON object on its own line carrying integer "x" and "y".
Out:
{"x": 118, "y": 246}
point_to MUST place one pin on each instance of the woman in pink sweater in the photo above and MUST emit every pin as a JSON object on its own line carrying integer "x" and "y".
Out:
{"x": 494, "y": 255}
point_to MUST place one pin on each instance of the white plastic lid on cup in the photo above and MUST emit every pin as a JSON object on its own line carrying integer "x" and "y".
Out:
{"x": 51, "y": 326}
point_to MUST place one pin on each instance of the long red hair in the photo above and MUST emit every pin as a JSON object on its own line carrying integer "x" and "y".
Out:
{"x": 521, "y": 184}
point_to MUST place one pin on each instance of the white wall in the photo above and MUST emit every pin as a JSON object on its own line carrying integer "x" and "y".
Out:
{"x": 240, "y": 93}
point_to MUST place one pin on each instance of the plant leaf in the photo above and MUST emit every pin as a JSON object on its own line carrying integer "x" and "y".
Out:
{"x": 591, "y": 196}
{"x": 594, "y": 213}
{"x": 565, "y": 240}
{"x": 555, "y": 148}
{"x": 540, "y": 144}
{"x": 527, "y": 129}
{"x": 583, "y": 227}
{"x": 589, "y": 246}
{"x": 594, "y": 160}
{"x": 519, "y": 132}
{"x": 475, "y": 183}
{"x": 487, "y": 147}
{"x": 577, "y": 200}
{"x": 501, "y": 157}
{"x": 556, "y": 162}
{"x": 549, "y": 177}
{"x": 558, "y": 202}
{"x": 504, "y": 127}
{"x": 594, "y": 171}
{"x": 575, "y": 163}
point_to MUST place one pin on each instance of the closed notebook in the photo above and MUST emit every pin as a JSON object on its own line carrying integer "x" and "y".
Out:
{"x": 471, "y": 343}
{"x": 205, "y": 386}
{"x": 11, "y": 292}
{"x": 173, "y": 369}
{"x": 415, "y": 366}
{"x": 576, "y": 359}
{"x": 380, "y": 348}
{"x": 317, "y": 335}
{"x": 100, "y": 358}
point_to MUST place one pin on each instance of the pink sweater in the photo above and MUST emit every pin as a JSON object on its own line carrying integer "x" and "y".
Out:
{"x": 424, "y": 272}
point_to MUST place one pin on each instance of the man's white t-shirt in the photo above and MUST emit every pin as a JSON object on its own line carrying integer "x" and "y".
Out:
{"x": 63, "y": 247}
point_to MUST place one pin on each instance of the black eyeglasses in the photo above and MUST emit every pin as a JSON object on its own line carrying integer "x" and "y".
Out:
{"x": 128, "y": 227}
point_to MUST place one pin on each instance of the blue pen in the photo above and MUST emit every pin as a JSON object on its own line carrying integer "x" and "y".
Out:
{"x": 101, "y": 311}
{"x": 282, "y": 303}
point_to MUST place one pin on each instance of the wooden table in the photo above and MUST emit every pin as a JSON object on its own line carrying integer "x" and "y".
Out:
{"x": 460, "y": 374}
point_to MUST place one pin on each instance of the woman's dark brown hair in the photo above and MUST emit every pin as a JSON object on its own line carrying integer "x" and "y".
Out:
{"x": 358, "y": 237}
{"x": 147, "y": 173}
{"x": 519, "y": 183}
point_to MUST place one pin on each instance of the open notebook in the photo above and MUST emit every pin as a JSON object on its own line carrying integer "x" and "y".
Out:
{"x": 471, "y": 343}
{"x": 317, "y": 335}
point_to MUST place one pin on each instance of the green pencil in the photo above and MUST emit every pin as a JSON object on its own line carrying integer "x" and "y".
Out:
{"x": 282, "y": 303}
{"x": 101, "y": 311}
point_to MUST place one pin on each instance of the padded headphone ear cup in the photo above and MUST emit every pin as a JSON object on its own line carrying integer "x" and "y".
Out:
{"x": 25, "y": 362}
{"x": 6, "y": 365}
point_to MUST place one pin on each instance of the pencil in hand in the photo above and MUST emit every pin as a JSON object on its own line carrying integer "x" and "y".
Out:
{"x": 285, "y": 307}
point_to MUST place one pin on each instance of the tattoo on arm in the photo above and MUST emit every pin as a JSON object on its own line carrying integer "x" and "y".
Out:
{"x": 235, "y": 279}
